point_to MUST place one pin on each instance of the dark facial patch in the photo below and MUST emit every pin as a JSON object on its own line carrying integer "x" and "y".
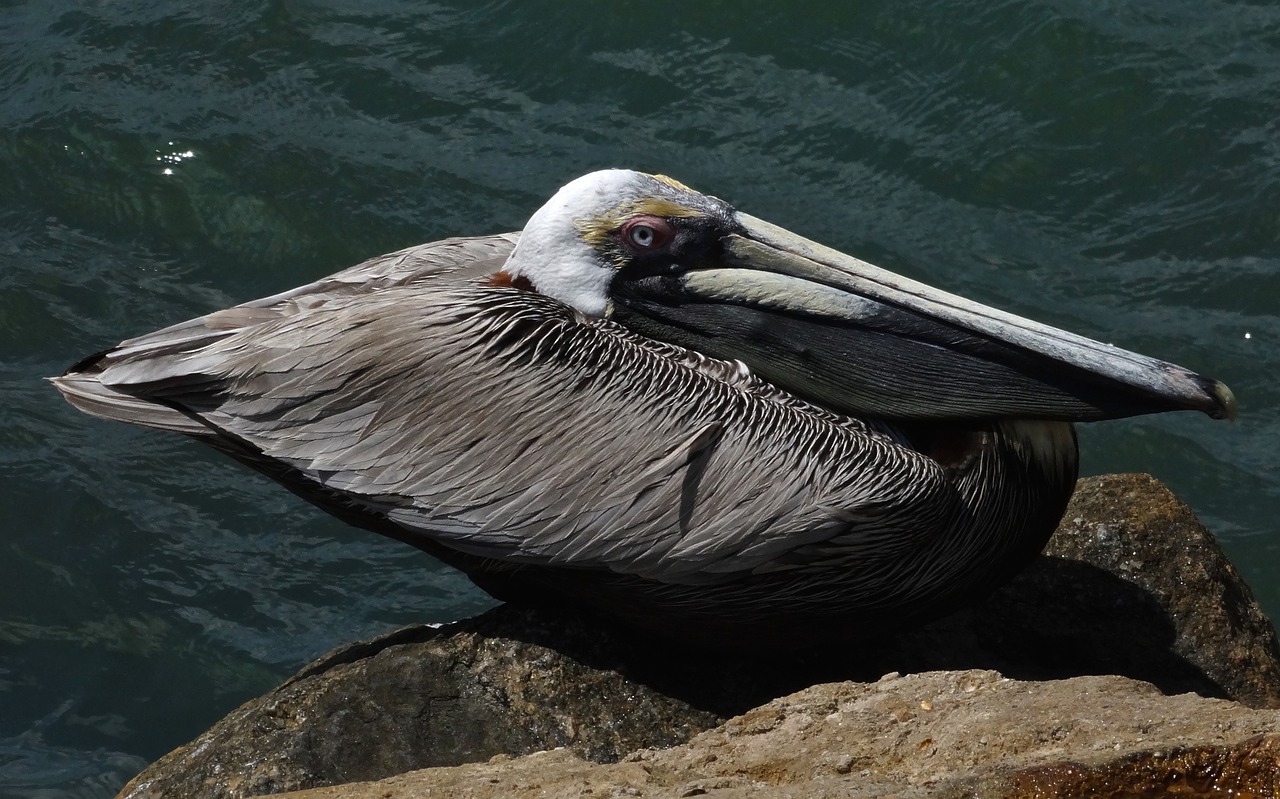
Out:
{"x": 696, "y": 242}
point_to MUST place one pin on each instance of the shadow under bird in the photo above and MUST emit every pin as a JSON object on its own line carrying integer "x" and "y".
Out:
{"x": 659, "y": 408}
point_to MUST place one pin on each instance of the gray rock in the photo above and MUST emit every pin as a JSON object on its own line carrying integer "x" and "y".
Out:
{"x": 1132, "y": 584}
{"x": 417, "y": 698}
{"x": 1133, "y": 527}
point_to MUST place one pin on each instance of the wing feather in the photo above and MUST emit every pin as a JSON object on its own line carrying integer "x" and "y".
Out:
{"x": 502, "y": 424}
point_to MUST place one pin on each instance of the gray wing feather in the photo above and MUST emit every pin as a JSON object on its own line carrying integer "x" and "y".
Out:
{"x": 477, "y": 254}
{"x": 83, "y": 389}
{"x": 502, "y": 424}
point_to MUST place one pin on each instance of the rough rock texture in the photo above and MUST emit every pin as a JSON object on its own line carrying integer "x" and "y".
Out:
{"x": 1135, "y": 529}
{"x": 938, "y": 734}
{"x": 415, "y": 699}
{"x": 1132, "y": 584}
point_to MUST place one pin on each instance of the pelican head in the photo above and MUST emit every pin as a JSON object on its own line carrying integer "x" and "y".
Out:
{"x": 598, "y": 225}
{"x": 671, "y": 263}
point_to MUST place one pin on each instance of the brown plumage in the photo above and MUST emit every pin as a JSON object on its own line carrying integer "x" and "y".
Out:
{"x": 557, "y": 457}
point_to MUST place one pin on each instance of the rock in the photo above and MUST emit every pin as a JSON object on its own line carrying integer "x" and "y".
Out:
{"x": 1131, "y": 584}
{"x": 1133, "y": 527}
{"x": 422, "y": 697}
{"x": 938, "y": 734}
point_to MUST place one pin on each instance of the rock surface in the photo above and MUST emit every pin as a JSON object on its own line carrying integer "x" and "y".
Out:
{"x": 1131, "y": 584}
{"x": 418, "y": 698}
{"x": 938, "y": 734}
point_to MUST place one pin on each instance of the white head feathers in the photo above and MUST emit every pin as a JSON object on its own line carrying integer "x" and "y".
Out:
{"x": 552, "y": 253}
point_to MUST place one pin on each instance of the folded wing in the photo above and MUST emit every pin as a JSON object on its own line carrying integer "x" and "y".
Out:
{"x": 502, "y": 424}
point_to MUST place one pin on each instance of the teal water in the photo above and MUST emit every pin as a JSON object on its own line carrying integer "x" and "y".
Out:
{"x": 1112, "y": 168}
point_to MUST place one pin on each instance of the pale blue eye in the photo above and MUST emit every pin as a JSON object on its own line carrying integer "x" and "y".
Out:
{"x": 642, "y": 235}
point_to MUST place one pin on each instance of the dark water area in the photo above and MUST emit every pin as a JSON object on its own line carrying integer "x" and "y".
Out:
{"x": 1111, "y": 168}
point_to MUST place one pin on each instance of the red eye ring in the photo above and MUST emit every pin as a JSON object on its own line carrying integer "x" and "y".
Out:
{"x": 647, "y": 233}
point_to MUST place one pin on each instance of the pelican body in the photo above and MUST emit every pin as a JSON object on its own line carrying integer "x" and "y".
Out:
{"x": 659, "y": 408}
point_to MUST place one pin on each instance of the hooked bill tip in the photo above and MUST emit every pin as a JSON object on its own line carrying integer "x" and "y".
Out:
{"x": 1228, "y": 408}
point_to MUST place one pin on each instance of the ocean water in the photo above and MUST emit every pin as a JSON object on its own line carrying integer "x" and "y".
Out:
{"x": 1111, "y": 168}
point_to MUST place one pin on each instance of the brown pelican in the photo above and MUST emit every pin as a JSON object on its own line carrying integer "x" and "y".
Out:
{"x": 658, "y": 407}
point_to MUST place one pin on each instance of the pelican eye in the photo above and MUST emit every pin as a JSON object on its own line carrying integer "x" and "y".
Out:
{"x": 645, "y": 233}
